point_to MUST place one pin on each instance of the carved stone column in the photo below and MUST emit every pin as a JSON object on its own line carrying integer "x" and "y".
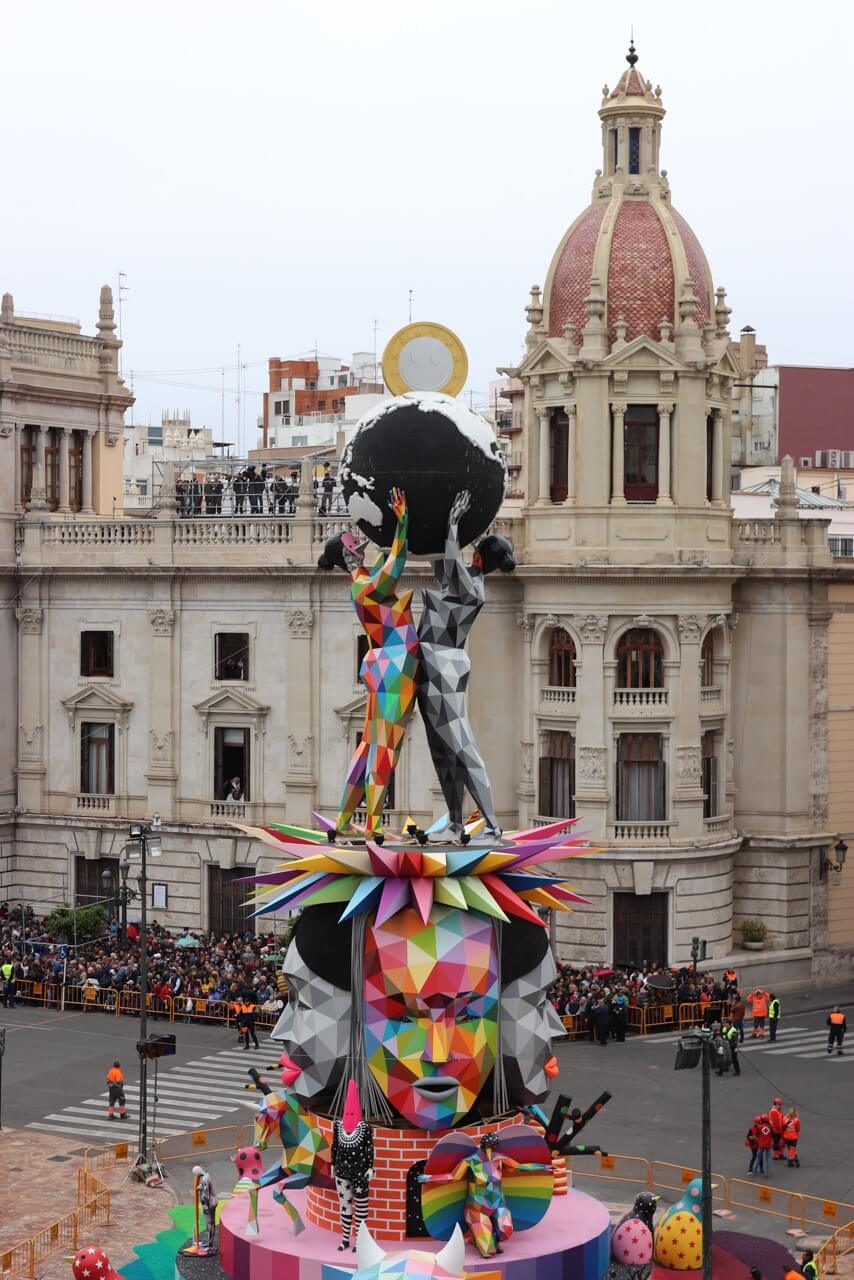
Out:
{"x": 37, "y": 493}
{"x": 717, "y": 455}
{"x": 525, "y": 787}
{"x": 161, "y": 771}
{"x": 684, "y": 690}
{"x": 618, "y": 496}
{"x": 19, "y": 506}
{"x": 664, "y": 499}
{"x": 300, "y": 778}
{"x": 32, "y": 681}
{"x": 87, "y": 509}
{"x": 64, "y": 474}
{"x": 544, "y": 456}
{"x": 570, "y": 453}
{"x": 591, "y": 750}
{"x": 818, "y": 701}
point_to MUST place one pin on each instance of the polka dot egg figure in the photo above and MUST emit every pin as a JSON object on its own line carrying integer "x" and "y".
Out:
{"x": 679, "y": 1234}
{"x": 632, "y": 1243}
{"x": 248, "y": 1163}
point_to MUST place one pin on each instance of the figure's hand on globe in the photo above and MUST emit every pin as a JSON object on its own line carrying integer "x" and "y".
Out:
{"x": 459, "y": 507}
{"x": 398, "y": 503}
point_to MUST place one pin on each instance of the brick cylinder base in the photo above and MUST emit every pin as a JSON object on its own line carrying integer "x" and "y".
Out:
{"x": 395, "y": 1152}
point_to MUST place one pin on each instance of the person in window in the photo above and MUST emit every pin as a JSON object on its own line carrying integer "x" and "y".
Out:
{"x": 233, "y": 790}
{"x": 233, "y": 667}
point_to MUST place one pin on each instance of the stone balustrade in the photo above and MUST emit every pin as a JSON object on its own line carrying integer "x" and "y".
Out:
{"x": 557, "y": 697}
{"x": 720, "y": 823}
{"x": 640, "y": 700}
{"x": 642, "y": 832}
{"x": 52, "y": 350}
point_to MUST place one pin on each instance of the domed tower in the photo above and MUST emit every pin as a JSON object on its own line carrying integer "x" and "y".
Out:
{"x": 625, "y": 549}
{"x": 627, "y": 367}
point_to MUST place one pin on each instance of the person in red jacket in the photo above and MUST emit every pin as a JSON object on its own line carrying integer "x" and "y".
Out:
{"x": 777, "y": 1121}
{"x": 765, "y": 1143}
{"x": 791, "y": 1133}
{"x": 752, "y": 1143}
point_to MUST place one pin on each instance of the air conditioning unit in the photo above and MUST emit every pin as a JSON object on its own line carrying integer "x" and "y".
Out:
{"x": 805, "y": 462}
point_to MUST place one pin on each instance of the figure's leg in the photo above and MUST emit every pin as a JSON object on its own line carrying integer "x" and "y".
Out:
{"x": 345, "y": 1200}
{"x": 443, "y": 762}
{"x": 353, "y": 792}
{"x": 360, "y": 1202}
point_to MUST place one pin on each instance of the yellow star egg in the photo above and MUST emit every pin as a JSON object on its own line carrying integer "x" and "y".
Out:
{"x": 679, "y": 1242}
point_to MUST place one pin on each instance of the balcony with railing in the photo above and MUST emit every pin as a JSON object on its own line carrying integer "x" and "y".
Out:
{"x": 641, "y": 832}
{"x": 92, "y": 803}
{"x": 557, "y": 698}
{"x": 641, "y": 701}
{"x": 719, "y": 825}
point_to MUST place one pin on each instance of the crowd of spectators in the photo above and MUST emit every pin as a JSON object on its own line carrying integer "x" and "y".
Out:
{"x": 583, "y": 991}
{"x": 255, "y": 491}
{"x": 220, "y": 969}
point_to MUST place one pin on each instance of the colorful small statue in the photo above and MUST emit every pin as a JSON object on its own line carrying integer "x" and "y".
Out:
{"x": 247, "y": 1161}
{"x": 679, "y": 1234}
{"x": 352, "y": 1164}
{"x": 631, "y": 1243}
{"x": 505, "y": 1185}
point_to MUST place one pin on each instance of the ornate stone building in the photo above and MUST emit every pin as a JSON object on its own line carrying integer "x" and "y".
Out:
{"x": 653, "y": 667}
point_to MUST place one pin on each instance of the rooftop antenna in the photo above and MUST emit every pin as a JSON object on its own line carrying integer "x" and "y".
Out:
{"x": 410, "y": 306}
{"x": 238, "y": 398}
{"x": 123, "y": 288}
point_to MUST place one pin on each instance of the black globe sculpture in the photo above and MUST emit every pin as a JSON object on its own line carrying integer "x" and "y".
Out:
{"x": 431, "y": 446}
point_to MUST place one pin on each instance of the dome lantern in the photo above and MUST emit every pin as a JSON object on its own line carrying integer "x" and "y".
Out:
{"x": 631, "y": 116}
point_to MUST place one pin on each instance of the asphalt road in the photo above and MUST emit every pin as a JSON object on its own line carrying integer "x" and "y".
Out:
{"x": 55, "y": 1064}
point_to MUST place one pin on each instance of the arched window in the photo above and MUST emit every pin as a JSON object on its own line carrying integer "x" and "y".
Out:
{"x": 640, "y": 660}
{"x": 707, "y": 660}
{"x": 557, "y": 776}
{"x": 561, "y": 660}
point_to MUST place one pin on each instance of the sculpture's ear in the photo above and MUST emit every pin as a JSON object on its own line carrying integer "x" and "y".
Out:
{"x": 453, "y": 1256}
{"x": 368, "y": 1252}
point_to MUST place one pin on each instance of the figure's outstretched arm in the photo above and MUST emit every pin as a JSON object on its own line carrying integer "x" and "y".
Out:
{"x": 385, "y": 573}
{"x": 451, "y": 570}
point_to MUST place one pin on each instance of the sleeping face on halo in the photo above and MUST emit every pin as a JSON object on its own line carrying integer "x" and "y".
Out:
{"x": 432, "y": 995}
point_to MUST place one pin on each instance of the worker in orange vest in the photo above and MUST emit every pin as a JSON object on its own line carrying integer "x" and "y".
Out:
{"x": 791, "y": 1133}
{"x": 777, "y": 1121}
{"x": 838, "y": 1026}
{"x": 730, "y": 981}
{"x": 116, "y": 1087}
{"x": 759, "y": 1010}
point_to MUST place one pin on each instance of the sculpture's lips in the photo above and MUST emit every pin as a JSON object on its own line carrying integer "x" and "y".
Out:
{"x": 436, "y": 1086}
{"x": 290, "y": 1070}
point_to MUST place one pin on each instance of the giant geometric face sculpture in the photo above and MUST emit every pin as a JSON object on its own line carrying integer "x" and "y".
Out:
{"x": 315, "y": 1028}
{"x": 528, "y": 1023}
{"x": 431, "y": 1012}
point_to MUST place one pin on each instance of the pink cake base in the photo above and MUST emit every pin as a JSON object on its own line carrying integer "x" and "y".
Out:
{"x": 571, "y": 1243}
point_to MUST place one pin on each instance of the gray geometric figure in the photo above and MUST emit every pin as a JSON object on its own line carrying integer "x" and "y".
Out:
{"x": 443, "y": 676}
{"x": 315, "y": 1028}
{"x": 528, "y": 1022}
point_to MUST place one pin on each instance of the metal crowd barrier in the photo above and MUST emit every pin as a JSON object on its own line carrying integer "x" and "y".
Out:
{"x": 66, "y": 1233}
{"x": 840, "y": 1243}
{"x": 127, "y": 1003}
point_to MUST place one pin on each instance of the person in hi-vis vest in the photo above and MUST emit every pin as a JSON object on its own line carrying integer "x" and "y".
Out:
{"x": 837, "y": 1028}
{"x": 116, "y": 1096}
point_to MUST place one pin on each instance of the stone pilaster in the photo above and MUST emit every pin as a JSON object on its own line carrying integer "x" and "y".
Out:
{"x": 300, "y": 778}
{"x": 526, "y": 787}
{"x": 161, "y": 771}
{"x": 31, "y": 711}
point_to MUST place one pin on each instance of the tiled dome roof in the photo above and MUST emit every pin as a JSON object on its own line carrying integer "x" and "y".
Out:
{"x": 635, "y": 260}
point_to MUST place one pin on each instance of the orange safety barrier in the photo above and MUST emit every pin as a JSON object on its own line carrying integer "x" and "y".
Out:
{"x": 635, "y": 1019}
{"x": 840, "y": 1243}
{"x": 658, "y": 1015}
{"x": 758, "y": 1195}
{"x": 66, "y": 1233}
{"x": 828, "y": 1213}
{"x": 675, "y": 1177}
{"x": 575, "y": 1024}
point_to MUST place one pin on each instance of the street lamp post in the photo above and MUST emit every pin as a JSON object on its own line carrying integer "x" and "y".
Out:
{"x": 108, "y": 881}
{"x": 144, "y": 838}
{"x": 124, "y": 894}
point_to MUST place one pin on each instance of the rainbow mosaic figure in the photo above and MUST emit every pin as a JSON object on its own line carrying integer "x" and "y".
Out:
{"x": 389, "y": 668}
{"x": 487, "y": 1186}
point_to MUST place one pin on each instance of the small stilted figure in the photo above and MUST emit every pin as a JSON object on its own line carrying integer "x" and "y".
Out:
{"x": 352, "y": 1165}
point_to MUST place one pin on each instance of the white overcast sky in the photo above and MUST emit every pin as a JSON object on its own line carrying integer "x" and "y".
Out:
{"x": 282, "y": 174}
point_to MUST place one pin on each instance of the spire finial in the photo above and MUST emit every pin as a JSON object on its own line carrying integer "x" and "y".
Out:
{"x": 631, "y": 56}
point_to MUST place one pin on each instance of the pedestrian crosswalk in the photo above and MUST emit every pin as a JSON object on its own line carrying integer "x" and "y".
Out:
{"x": 799, "y": 1042}
{"x": 190, "y": 1095}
